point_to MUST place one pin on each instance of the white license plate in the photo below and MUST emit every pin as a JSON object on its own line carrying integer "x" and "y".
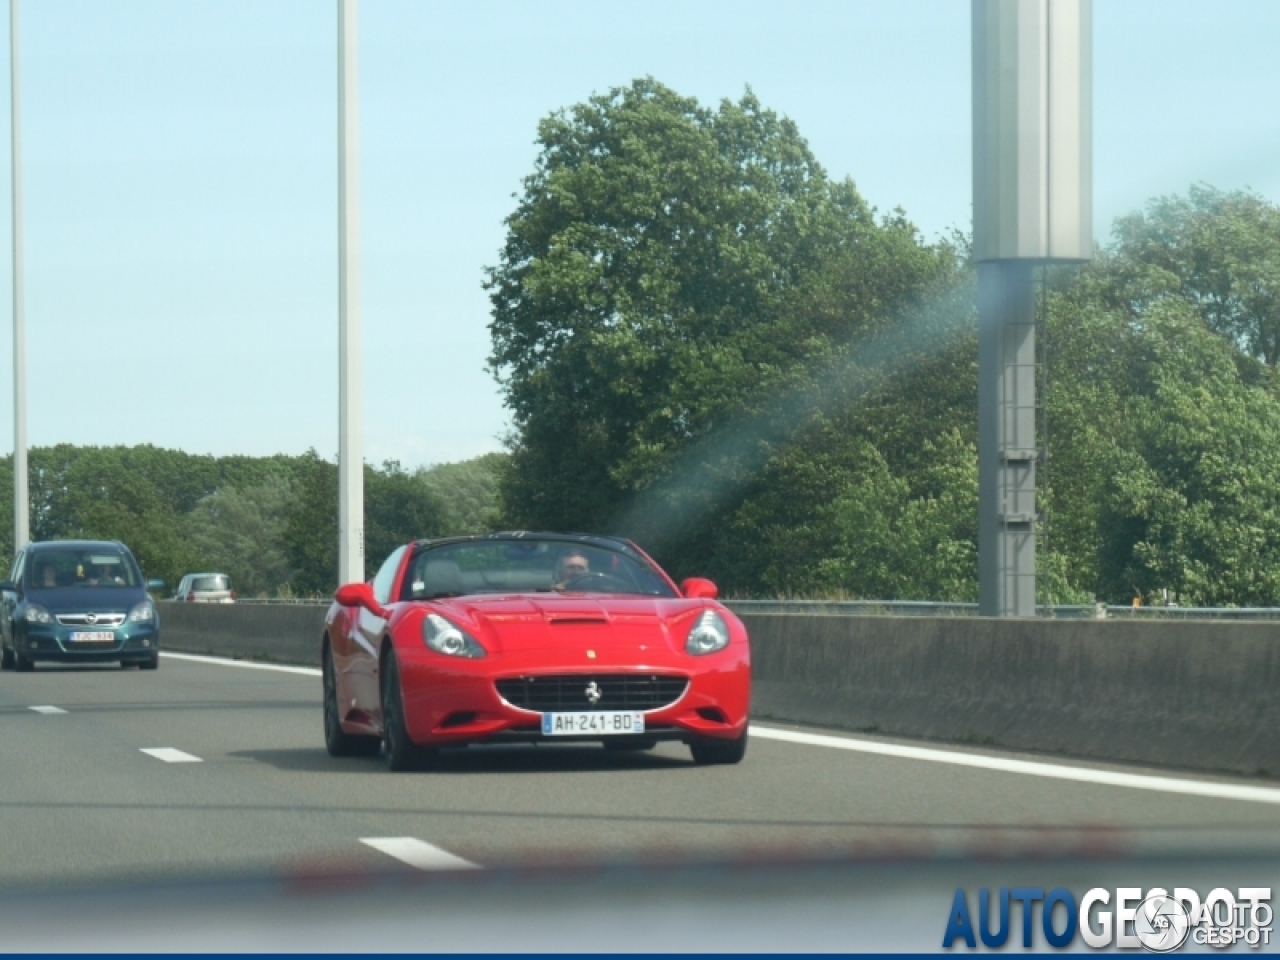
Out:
{"x": 95, "y": 636}
{"x": 593, "y": 724}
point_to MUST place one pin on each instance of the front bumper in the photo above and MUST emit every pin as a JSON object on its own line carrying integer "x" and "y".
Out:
{"x": 454, "y": 703}
{"x": 51, "y": 643}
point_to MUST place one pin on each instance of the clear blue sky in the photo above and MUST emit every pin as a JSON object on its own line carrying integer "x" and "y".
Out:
{"x": 180, "y": 165}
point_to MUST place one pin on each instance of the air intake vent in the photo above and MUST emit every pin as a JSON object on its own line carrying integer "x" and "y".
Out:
{"x": 575, "y": 691}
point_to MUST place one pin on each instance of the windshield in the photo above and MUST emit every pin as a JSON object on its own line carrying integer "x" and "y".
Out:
{"x": 529, "y": 566}
{"x": 81, "y": 569}
{"x": 211, "y": 583}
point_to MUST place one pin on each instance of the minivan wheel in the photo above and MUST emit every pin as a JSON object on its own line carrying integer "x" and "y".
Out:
{"x": 22, "y": 664}
{"x": 6, "y": 659}
{"x": 151, "y": 663}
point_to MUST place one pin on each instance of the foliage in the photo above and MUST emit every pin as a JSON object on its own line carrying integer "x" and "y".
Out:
{"x": 468, "y": 492}
{"x": 240, "y": 532}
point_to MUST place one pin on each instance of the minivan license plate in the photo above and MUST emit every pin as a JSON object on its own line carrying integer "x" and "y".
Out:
{"x": 593, "y": 724}
{"x": 95, "y": 636}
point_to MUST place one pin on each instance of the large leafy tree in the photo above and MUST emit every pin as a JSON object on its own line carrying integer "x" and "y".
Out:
{"x": 679, "y": 291}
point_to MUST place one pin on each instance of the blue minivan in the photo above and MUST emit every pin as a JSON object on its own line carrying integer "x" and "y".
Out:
{"x": 78, "y": 601}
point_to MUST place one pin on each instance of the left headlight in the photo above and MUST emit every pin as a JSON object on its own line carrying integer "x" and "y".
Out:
{"x": 444, "y": 637}
{"x": 144, "y": 612}
{"x": 709, "y": 634}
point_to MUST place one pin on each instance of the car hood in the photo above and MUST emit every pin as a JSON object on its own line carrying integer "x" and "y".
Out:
{"x": 549, "y": 621}
{"x": 87, "y": 599}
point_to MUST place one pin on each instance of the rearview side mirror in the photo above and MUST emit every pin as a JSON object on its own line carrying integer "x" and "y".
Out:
{"x": 8, "y": 586}
{"x": 699, "y": 588}
{"x": 359, "y": 595}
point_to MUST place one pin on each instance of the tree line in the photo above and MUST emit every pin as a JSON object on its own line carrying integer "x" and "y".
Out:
{"x": 711, "y": 346}
{"x": 708, "y": 344}
{"x": 269, "y": 522}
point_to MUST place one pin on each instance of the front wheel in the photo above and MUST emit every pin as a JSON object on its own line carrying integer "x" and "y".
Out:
{"x": 151, "y": 663}
{"x": 401, "y": 752}
{"x": 706, "y": 752}
{"x": 338, "y": 742}
{"x": 6, "y": 659}
{"x": 22, "y": 664}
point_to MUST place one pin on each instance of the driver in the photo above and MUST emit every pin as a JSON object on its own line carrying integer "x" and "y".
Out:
{"x": 572, "y": 565}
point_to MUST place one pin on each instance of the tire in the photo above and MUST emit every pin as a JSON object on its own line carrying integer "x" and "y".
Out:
{"x": 22, "y": 664}
{"x": 336, "y": 741}
{"x": 401, "y": 753}
{"x": 708, "y": 752}
{"x": 151, "y": 663}
{"x": 629, "y": 746}
{"x": 6, "y": 659}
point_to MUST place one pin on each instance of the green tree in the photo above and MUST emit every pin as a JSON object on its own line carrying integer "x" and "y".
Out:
{"x": 241, "y": 532}
{"x": 674, "y": 274}
{"x": 468, "y": 492}
{"x": 1218, "y": 252}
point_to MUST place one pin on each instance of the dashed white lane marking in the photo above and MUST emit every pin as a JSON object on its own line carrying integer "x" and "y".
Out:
{"x": 48, "y": 711}
{"x": 418, "y": 853}
{"x": 1056, "y": 771}
{"x": 170, "y": 755}
{"x": 247, "y": 664}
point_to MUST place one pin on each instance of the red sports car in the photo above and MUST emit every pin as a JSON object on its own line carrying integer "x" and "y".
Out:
{"x": 523, "y": 637}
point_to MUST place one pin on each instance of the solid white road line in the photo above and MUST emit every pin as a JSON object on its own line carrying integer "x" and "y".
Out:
{"x": 247, "y": 664}
{"x": 418, "y": 853}
{"x": 170, "y": 755}
{"x": 48, "y": 711}
{"x": 1056, "y": 771}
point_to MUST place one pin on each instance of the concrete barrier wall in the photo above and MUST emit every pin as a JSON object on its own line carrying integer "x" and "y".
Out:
{"x": 1197, "y": 695}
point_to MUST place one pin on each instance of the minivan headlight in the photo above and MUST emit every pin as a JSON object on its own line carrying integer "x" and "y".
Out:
{"x": 38, "y": 614}
{"x": 144, "y": 612}
{"x": 444, "y": 637}
{"x": 709, "y": 634}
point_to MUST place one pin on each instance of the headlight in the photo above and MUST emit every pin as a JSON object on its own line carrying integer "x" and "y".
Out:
{"x": 143, "y": 612}
{"x": 708, "y": 635}
{"x": 38, "y": 614}
{"x": 443, "y": 637}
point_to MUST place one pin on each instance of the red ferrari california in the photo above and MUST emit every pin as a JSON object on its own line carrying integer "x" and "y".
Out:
{"x": 531, "y": 637}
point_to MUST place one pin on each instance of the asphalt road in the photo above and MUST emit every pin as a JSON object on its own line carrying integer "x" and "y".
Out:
{"x": 80, "y": 800}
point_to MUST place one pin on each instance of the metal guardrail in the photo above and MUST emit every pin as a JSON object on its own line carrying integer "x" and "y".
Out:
{"x": 928, "y": 608}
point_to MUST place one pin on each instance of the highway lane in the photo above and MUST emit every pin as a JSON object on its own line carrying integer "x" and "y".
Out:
{"x": 81, "y": 802}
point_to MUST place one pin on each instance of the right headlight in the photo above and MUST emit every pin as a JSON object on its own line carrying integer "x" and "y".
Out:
{"x": 444, "y": 637}
{"x": 709, "y": 634}
{"x": 38, "y": 614}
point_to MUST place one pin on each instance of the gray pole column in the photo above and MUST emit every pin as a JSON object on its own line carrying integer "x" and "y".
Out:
{"x": 350, "y": 445}
{"x": 21, "y": 478}
{"x": 1032, "y": 205}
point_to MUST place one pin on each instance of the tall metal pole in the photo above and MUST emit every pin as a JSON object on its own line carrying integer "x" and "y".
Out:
{"x": 1032, "y": 205}
{"x": 350, "y": 446}
{"x": 21, "y": 493}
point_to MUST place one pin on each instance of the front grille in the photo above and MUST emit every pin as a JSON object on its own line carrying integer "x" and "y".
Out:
{"x": 91, "y": 619}
{"x": 617, "y": 691}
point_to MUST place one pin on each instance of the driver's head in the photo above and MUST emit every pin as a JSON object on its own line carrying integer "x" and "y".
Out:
{"x": 572, "y": 564}
{"x": 48, "y": 575}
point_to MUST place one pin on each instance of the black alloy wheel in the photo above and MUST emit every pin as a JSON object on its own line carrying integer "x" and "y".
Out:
{"x": 151, "y": 663}
{"x": 336, "y": 740}
{"x": 6, "y": 659}
{"x": 401, "y": 752}
{"x": 22, "y": 664}
{"x": 707, "y": 752}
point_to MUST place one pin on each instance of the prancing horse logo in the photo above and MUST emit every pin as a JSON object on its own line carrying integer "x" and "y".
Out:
{"x": 593, "y": 692}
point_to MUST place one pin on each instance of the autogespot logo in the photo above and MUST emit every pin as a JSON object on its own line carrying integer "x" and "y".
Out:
{"x": 1158, "y": 921}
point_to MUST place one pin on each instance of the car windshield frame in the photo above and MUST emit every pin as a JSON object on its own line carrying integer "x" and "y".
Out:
{"x": 530, "y": 565}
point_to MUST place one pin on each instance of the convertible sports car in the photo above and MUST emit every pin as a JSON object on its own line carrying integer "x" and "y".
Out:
{"x": 524, "y": 637}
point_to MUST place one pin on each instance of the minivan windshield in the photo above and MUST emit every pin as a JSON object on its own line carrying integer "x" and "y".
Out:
{"x": 91, "y": 568}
